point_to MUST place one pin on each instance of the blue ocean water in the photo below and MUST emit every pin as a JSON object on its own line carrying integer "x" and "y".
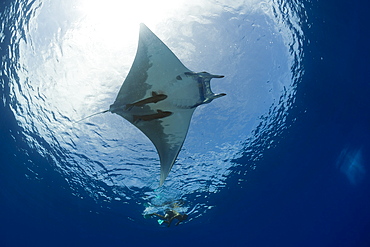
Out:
{"x": 288, "y": 167}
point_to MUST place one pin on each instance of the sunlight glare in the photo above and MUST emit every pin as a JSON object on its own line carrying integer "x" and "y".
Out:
{"x": 106, "y": 36}
{"x": 112, "y": 16}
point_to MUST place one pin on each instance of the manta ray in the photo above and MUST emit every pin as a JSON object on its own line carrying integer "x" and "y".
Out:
{"x": 159, "y": 96}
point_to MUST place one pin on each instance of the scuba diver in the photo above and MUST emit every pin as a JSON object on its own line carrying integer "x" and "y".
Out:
{"x": 170, "y": 216}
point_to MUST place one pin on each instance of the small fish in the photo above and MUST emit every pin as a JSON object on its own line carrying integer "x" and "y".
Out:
{"x": 159, "y": 114}
{"x": 153, "y": 99}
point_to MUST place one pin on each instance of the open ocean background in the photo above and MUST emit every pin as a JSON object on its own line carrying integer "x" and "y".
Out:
{"x": 282, "y": 164}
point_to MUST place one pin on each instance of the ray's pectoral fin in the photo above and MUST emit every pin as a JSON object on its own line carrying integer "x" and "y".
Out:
{"x": 150, "y": 117}
{"x": 156, "y": 97}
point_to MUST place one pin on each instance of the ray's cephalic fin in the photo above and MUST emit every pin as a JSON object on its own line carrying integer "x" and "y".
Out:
{"x": 204, "y": 85}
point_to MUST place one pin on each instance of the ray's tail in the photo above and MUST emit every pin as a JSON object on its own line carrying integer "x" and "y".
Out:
{"x": 91, "y": 116}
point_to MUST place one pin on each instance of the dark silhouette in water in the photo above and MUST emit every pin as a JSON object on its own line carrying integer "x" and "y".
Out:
{"x": 170, "y": 216}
